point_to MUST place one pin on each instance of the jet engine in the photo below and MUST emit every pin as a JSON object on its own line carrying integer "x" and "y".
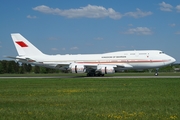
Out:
{"x": 77, "y": 68}
{"x": 105, "y": 69}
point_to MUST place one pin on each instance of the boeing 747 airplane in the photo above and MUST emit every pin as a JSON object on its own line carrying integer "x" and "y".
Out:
{"x": 92, "y": 64}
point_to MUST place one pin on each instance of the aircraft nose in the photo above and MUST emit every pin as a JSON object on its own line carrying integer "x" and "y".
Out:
{"x": 170, "y": 60}
{"x": 173, "y": 59}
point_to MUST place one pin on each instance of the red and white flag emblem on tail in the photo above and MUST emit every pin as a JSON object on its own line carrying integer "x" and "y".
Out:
{"x": 21, "y": 43}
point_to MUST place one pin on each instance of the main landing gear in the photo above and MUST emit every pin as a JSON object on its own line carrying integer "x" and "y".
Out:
{"x": 92, "y": 73}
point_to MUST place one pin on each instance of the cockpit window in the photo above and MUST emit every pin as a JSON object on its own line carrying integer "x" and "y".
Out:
{"x": 161, "y": 52}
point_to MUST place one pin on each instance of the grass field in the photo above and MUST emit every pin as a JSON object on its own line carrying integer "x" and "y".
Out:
{"x": 90, "y": 99}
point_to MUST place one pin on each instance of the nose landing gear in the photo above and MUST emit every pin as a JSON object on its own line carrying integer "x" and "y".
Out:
{"x": 156, "y": 73}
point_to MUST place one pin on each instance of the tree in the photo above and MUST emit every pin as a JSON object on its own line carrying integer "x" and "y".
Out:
{"x": 43, "y": 70}
{"x": 27, "y": 67}
{"x": 168, "y": 68}
{"x": 4, "y": 66}
{"x": 11, "y": 67}
{"x": 37, "y": 69}
{"x": 16, "y": 67}
{"x": 1, "y": 68}
{"x": 21, "y": 70}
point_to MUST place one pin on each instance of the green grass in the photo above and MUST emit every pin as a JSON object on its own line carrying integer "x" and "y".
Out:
{"x": 90, "y": 99}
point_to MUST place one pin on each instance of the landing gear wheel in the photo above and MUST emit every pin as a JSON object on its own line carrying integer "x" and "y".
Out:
{"x": 156, "y": 74}
{"x": 90, "y": 74}
{"x": 99, "y": 74}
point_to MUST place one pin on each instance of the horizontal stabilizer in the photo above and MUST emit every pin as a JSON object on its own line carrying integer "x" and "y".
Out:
{"x": 22, "y": 59}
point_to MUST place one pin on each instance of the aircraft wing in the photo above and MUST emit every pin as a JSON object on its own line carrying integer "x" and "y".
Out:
{"x": 119, "y": 65}
{"x": 94, "y": 66}
{"x": 115, "y": 66}
{"x": 12, "y": 57}
{"x": 124, "y": 65}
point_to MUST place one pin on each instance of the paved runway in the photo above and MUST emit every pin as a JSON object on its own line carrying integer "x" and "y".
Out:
{"x": 94, "y": 77}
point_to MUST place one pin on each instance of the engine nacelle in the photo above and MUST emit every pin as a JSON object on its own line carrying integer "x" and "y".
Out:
{"x": 77, "y": 68}
{"x": 105, "y": 69}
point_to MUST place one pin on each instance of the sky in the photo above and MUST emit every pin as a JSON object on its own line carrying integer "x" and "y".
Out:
{"x": 91, "y": 26}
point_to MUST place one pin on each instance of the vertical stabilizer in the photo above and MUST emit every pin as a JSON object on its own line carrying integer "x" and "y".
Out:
{"x": 24, "y": 47}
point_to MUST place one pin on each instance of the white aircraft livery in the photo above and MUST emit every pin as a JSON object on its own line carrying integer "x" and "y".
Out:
{"x": 92, "y": 64}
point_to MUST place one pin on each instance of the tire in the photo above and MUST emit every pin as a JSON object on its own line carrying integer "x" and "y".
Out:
{"x": 156, "y": 74}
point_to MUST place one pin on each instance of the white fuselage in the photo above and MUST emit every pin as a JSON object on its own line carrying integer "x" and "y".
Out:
{"x": 141, "y": 59}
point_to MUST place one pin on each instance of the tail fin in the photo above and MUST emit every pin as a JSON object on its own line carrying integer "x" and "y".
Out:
{"x": 24, "y": 47}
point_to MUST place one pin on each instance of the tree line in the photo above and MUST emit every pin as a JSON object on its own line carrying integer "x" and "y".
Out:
{"x": 13, "y": 67}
